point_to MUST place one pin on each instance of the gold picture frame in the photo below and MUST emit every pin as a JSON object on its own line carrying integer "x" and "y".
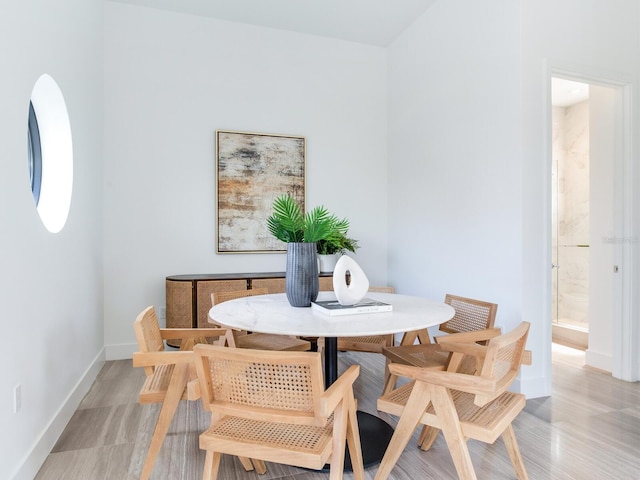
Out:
{"x": 252, "y": 169}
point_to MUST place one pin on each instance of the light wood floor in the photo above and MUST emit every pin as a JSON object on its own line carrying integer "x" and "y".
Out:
{"x": 588, "y": 429}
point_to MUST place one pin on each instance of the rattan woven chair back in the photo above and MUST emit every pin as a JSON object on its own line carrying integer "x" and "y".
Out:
{"x": 244, "y": 380}
{"x": 147, "y": 330}
{"x": 261, "y": 341}
{"x": 470, "y": 314}
{"x": 272, "y": 406}
{"x": 463, "y": 406}
{"x": 502, "y": 361}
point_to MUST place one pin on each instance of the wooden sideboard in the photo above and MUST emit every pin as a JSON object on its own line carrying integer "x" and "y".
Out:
{"x": 188, "y": 297}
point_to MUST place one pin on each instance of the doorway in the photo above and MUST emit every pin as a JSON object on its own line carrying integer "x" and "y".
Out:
{"x": 570, "y": 212}
{"x": 586, "y": 149}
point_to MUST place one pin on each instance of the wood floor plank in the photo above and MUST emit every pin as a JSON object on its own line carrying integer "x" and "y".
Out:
{"x": 102, "y": 463}
{"x": 97, "y": 427}
{"x": 589, "y": 428}
{"x": 117, "y": 383}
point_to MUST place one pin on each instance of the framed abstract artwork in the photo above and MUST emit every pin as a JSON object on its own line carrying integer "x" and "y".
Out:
{"x": 252, "y": 169}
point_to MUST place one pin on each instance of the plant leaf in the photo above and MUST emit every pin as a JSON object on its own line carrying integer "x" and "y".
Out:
{"x": 286, "y": 223}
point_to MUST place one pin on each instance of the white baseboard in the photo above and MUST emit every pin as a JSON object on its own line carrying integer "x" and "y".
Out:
{"x": 33, "y": 460}
{"x": 532, "y": 387}
{"x": 598, "y": 360}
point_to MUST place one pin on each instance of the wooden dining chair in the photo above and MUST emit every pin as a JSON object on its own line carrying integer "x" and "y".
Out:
{"x": 368, "y": 343}
{"x": 464, "y": 406}
{"x": 470, "y": 315}
{"x": 273, "y": 407}
{"x": 170, "y": 375}
{"x": 260, "y": 341}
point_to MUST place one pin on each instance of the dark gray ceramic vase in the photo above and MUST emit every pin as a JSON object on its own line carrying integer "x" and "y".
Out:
{"x": 301, "y": 279}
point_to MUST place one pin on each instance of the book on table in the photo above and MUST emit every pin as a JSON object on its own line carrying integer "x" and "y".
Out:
{"x": 366, "y": 305}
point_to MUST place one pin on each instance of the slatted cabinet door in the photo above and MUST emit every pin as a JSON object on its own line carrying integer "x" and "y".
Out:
{"x": 204, "y": 289}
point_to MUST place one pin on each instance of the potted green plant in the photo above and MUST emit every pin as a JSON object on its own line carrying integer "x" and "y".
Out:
{"x": 331, "y": 248}
{"x": 302, "y": 232}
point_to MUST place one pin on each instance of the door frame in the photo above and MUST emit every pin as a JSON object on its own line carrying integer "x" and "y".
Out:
{"x": 625, "y": 337}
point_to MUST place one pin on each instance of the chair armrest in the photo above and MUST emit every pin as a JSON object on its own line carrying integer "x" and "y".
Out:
{"x": 458, "y": 351}
{"x": 333, "y": 395}
{"x": 178, "y": 333}
{"x": 469, "y": 337}
{"x": 150, "y": 359}
{"x": 402, "y": 350}
{"x": 456, "y": 381}
{"x": 472, "y": 349}
{"x": 527, "y": 357}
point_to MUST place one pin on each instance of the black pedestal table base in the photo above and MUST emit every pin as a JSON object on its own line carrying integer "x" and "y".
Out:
{"x": 375, "y": 433}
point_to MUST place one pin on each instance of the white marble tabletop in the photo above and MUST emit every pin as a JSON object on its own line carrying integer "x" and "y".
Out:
{"x": 273, "y": 314}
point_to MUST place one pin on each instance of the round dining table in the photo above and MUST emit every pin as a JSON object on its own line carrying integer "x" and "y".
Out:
{"x": 273, "y": 314}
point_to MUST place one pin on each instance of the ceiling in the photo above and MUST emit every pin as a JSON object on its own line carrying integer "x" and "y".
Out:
{"x": 565, "y": 93}
{"x": 374, "y": 22}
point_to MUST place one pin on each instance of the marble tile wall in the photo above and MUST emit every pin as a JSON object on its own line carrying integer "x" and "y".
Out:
{"x": 570, "y": 217}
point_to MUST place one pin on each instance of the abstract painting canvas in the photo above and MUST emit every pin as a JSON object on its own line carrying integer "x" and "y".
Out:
{"x": 252, "y": 170}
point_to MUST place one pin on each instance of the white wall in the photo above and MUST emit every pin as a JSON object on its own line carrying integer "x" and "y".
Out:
{"x": 469, "y": 148}
{"x": 171, "y": 80}
{"x": 454, "y": 171}
{"x": 51, "y": 284}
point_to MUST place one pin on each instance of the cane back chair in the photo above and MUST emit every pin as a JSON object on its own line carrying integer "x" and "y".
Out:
{"x": 470, "y": 315}
{"x": 170, "y": 375}
{"x": 463, "y": 405}
{"x": 273, "y": 407}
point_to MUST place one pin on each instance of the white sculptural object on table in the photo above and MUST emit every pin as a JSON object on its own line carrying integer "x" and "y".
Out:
{"x": 358, "y": 285}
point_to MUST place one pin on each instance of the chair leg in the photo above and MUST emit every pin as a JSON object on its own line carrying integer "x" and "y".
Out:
{"x": 211, "y": 465}
{"x": 509, "y": 438}
{"x": 336, "y": 462}
{"x": 428, "y": 435}
{"x": 246, "y": 463}
{"x": 389, "y": 379}
{"x": 457, "y": 443}
{"x": 409, "y": 420}
{"x": 177, "y": 384}
{"x": 423, "y": 337}
{"x": 353, "y": 440}
{"x": 259, "y": 465}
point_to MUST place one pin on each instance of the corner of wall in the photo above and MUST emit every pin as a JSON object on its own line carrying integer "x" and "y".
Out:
{"x": 532, "y": 387}
{"x": 599, "y": 360}
{"x": 123, "y": 351}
